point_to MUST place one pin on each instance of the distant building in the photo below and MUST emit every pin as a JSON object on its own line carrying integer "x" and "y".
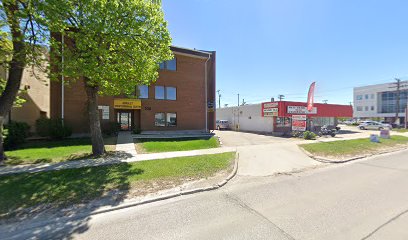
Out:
{"x": 283, "y": 116}
{"x": 37, "y": 87}
{"x": 380, "y": 101}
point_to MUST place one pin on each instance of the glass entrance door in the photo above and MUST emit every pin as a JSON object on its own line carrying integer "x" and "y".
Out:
{"x": 125, "y": 120}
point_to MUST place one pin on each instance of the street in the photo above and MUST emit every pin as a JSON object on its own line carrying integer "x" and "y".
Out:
{"x": 365, "y": 199}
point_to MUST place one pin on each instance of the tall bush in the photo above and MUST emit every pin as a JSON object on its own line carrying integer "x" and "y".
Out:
{"x": 15, "y": 134}
{"x": 53, "y": 128}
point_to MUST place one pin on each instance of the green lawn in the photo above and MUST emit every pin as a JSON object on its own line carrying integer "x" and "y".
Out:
{"x": 171, "y": 145}
{"x": 54, "y": 151}
{"x": 352, "y": 147}
{"x": 402, "y": 130}
{"x": 78, "y": 185}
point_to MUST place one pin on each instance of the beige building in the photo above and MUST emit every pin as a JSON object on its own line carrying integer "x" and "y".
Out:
{"x": 37, "y": 87}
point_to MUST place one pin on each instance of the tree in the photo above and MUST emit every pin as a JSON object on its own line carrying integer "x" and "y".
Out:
{"x": 111, "y": 45}
{"x": 21, "y": 26}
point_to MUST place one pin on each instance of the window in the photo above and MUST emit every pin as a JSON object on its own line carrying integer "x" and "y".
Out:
{"x": 171, "y": 120}
{"x": 142, "y": 91}
{"x": 359, "y": 97}
{"x": 283, "y": 122}
{"x": 170, "y": 65}
{"x": 372, "y": 108}
{"x": 320, "y": 121}
{"x": 372, "y": 96}
{"x": 366, "y": 96}
{"x": 359, "y": 108}
{"x": 366, "y": 108}
{"x": 171, "y": 93}
{"x": 159, "y": 92}
{"x": 159, "y": 120}
{"x": 168, "y": 93}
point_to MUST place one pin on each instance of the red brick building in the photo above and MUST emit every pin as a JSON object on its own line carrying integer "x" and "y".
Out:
{"x": 182, "y": 98}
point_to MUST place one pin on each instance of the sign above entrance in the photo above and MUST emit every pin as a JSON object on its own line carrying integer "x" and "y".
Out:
{"x": 301, "y": 110}
{"x": 127, "y": 103}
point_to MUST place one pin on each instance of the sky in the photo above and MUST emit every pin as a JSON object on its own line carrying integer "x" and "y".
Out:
{"x": 271, "y": 47}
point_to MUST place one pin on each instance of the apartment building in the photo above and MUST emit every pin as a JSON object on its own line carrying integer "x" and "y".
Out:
{"x": 182, "y": 98}
{"x": 380, "y": 101}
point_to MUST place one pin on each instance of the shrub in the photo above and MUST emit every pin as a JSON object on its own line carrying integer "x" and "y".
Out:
{"x": 15, "y": 133}
{"x": 136, "y": 131}
{"x": 111, "y": 129}
{"x": 53, "y": 128}
{"x": 42, "y": 127}
{"x": 308, "y": 135}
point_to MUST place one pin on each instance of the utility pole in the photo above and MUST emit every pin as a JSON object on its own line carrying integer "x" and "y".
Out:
{"x": 238, "y": 114}
{"x": 219, "y": 98}
{"x": 397, "y": 86}
{"x": 281, "y": 97}
{"x": 243, "y": 102}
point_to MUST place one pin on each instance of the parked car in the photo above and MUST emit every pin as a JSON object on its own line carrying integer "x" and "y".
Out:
{"x": 372, "y": 125}
{"x": 222, "y": 124}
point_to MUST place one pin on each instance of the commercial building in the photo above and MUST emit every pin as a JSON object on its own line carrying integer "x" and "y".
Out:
{"x": 283, "y": 116}
{"x": 380, "y": 101}
{"x": 182, "y": 98}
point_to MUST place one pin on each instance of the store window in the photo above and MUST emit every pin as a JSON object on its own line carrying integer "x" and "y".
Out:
{"x": 142, "y": 91}
{"x": 171, "y": 120}
{"x": 159, "y": 92}
{"x": 320, "y": 121}
{"x": 283, "y": 122}
{"x": 159, "y": 120}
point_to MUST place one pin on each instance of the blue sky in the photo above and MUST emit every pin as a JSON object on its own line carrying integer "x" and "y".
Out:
{"x": 270, "y": 47}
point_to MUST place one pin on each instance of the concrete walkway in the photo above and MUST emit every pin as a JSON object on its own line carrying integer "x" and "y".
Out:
{"x": 124, "y": 143}
{"x": 119, "y": 157}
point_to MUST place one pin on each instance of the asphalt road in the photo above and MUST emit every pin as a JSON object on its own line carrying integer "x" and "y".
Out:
{"x": 361, "y": 200}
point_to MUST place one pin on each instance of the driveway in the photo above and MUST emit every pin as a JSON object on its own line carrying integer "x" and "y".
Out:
{"x": 263, "y": 155}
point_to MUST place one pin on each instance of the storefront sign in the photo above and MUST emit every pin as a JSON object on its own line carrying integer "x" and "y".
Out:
{"x": 298, "y": 125}
{"x": 270, "y": 109}
{"x": 299, "y": 117}
{"x": 105, "y": 112}
{"x": 127, "y": 103}
{"x": 301, "y": 110}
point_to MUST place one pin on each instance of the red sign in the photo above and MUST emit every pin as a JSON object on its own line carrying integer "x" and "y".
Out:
{"x": 299, "y": 125}
{"x": 310, "y": 97}
{"x": 269, "y": 109}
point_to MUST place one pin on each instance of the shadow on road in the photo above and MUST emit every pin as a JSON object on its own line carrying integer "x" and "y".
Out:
{"x": 32, "y": 199}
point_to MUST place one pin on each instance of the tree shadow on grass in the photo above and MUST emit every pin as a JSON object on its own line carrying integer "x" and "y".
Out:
{"x": 58, "y": 204}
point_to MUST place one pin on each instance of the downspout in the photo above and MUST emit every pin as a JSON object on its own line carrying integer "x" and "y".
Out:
{"x": 206, "y": 94}
{"x": 62, "y": 79}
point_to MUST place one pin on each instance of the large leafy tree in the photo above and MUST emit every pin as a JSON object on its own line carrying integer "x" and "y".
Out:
{"x": 113, "y": 46}
{"x": 21, "y": 34}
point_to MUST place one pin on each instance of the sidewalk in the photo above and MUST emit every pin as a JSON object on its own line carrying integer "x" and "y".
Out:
{"x": 119, "y": 157}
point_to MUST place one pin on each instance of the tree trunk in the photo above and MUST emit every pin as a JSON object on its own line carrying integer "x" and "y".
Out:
{"x": 16, "y": 66}
{"x": 98, "y": 147}
{"x": 2, "y": 155}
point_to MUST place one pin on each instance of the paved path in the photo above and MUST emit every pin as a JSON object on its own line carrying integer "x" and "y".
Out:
{"x": 124, "y": 143}
{"x": 263, "y": 155}
{"x": 359, "y": 200}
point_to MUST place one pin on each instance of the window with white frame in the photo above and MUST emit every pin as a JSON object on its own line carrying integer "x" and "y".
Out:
{"x": 171, "y": 119}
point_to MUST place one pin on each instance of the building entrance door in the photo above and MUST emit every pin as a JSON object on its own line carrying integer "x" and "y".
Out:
{"x": 125, "y": 120}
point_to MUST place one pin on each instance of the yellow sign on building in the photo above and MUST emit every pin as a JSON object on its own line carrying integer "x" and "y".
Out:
{"x": 127, "y": 103}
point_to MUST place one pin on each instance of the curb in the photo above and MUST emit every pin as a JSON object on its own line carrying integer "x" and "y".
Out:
{"x": 328, "y": 160}
{"x": 174, "y": 195}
